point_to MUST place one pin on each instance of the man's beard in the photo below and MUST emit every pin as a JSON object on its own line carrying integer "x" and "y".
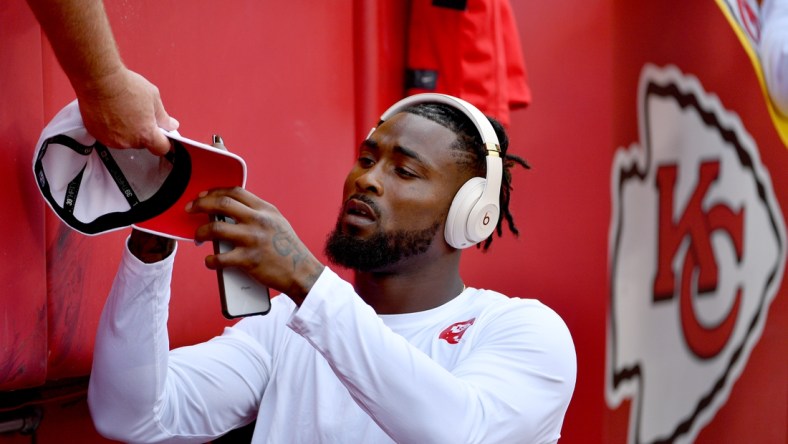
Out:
{"x": 380, "y": 250}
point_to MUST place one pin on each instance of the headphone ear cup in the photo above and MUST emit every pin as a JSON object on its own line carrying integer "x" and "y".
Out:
{"x": 456, "y": 232}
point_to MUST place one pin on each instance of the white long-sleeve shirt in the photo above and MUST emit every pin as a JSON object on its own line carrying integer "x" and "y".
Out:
{"x": 480, "y": 368}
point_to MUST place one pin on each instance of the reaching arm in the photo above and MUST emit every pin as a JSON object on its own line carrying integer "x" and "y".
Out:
{"x": 120, "y": 107}
{"x": 141, "y": 392}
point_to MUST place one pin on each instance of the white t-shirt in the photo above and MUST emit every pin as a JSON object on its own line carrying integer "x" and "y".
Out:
{"x": 481, "y": 368}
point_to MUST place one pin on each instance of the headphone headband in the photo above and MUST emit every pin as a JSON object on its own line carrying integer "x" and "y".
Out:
{"x": 474, "y": 212}
{"x": 486, "y": 131}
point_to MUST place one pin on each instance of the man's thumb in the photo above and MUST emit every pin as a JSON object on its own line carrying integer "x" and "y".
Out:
{"x": 164, "y": 120}
{"x": 160, "y": 144}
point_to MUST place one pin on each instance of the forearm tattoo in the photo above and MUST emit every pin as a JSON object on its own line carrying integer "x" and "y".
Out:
{"x": 287, "y": 244}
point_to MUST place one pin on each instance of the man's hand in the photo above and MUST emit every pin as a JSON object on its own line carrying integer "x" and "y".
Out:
{"x": 266, "y": 247}
{"x": 120, "y": 108}
{"x": 150, "y": 248}
{"x": 124, "y": 110}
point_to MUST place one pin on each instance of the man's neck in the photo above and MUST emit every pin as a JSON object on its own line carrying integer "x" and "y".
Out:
{"x": 417, "y": 286}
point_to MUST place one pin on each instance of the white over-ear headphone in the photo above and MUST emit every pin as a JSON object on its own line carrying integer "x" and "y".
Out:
{"x": 475, "y": 209}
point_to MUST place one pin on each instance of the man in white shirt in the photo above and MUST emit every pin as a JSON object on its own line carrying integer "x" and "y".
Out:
{"x": 405, "y": 354}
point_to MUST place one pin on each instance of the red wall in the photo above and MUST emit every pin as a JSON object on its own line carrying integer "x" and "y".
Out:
{"x": 22, "y": 276}
{"x": 562, "y": 203}
{"x": 276, "y": 80}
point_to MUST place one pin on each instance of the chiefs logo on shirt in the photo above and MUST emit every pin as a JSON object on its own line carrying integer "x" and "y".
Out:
{"x": 697, "y": 251}
{"x": 453, "y": 333}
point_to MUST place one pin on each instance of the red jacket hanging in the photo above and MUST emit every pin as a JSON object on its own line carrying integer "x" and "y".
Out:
{"x": 469, "y": 49}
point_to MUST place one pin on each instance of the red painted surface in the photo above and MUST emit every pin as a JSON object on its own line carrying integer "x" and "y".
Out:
{"x": 23, "y": 326}
{"x": 275, "y": 80}
{"x": 562, "y": 204}
{"x": 281, "y": 99}
{"x": 696, "y": 37}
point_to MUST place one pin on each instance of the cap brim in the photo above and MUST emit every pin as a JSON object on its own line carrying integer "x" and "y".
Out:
{"x": 210, "y": 168}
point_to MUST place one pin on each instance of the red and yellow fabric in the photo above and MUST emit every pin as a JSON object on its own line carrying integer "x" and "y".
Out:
{"x": 469, "y": 49}
{"x": 746, "y": 19}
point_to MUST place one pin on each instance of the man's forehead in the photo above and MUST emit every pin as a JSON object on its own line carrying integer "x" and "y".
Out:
{"x": 372, "y": 144}
{"x": 413, "y": 136}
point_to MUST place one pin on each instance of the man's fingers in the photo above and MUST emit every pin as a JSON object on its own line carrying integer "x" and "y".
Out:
{"x": 173, "y": 124}
{"x": 219, "y": 202}
{"x": 163, "y": 119}
{"x": 158, "y": 144}
{"x": 236, "y": 202}
{"x": 248, "y": 199}
{"x": 228, "y": 259}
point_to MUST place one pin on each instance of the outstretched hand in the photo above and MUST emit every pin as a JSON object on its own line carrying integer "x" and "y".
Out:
{"x": 266, "y": 247}
{"x": 124, "y": 110}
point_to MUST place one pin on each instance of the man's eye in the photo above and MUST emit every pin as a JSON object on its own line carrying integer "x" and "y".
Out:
{"x": 365, "y": 162}
{"x": 405, "y": 172}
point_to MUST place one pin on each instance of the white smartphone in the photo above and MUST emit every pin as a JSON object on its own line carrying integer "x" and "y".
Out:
{"x": 241, "y": 295}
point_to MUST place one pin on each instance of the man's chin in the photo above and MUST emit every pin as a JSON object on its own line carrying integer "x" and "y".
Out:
{"x": 363, "y": 250}
{"x": 354, "y": 248}
{"x": 359, "y": 232}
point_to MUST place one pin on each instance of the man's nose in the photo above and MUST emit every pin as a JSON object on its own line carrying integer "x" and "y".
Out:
{"x": 370, "y": 181}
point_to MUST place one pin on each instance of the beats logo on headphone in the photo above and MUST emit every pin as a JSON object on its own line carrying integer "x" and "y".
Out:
{"x": 475, "y": 209}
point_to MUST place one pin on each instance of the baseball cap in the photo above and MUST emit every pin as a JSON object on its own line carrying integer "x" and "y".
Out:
{"x": 96, "y": 189}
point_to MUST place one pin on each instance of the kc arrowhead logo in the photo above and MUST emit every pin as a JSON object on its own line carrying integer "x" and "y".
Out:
{"x": 697, "y": 250}
{"x": 453, "y": 333}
